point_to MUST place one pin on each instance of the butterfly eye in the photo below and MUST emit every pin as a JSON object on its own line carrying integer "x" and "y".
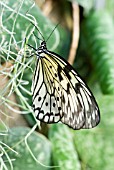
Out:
{"x": 42, "y": 43}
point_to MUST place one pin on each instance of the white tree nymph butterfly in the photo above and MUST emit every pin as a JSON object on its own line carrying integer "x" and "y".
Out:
{"x": 60, "y": 94}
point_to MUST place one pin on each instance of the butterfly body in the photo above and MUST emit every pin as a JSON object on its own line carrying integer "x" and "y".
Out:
{"x": 60, "y": 94}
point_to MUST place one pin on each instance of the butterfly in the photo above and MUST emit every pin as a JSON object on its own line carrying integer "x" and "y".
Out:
{"x": 59, "y": 94}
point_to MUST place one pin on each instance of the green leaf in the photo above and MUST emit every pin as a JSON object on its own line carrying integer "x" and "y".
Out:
{"x": 63, "y": 151}
{"x": 99, "y": 39}
{"x": 39, "y": 145}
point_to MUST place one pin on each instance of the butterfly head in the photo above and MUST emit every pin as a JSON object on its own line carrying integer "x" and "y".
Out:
{"x": 42, "y": 47}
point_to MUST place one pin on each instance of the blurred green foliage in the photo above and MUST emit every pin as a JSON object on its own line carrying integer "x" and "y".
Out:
{"x": 63, "y": 150}
{"x": 35, "y": 143}
{"x": 99, "y": 39}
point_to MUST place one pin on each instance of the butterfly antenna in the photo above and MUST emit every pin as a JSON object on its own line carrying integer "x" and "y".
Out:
{"x": 32, "y": 47}
{"x": 29, "y": 45}
{"x": 38, "y": 31}
{"x": 52, "y": 31}
{"x": 37, "y": 36}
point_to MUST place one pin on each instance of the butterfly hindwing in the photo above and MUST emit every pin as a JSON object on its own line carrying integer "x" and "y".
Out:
{"x": 46, "y": 99}
{"x": 59, "y": 94}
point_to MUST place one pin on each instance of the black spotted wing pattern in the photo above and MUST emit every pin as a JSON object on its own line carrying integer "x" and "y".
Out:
{"x": 46, "y": 97}
{"x": 59, "y": 94}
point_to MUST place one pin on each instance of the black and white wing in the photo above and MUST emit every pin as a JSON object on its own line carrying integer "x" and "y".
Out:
{"x": 59, "y": 94}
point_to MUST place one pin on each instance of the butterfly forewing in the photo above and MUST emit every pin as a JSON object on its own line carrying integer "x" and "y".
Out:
{"x": 80, "y": 108}
{"x": 59, "y": 94}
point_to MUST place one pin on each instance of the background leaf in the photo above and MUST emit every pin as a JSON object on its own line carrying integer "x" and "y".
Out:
{"x": 38, "y": 144}
{"x": 63, "y": 150}
{"x": 99, "y": 37}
